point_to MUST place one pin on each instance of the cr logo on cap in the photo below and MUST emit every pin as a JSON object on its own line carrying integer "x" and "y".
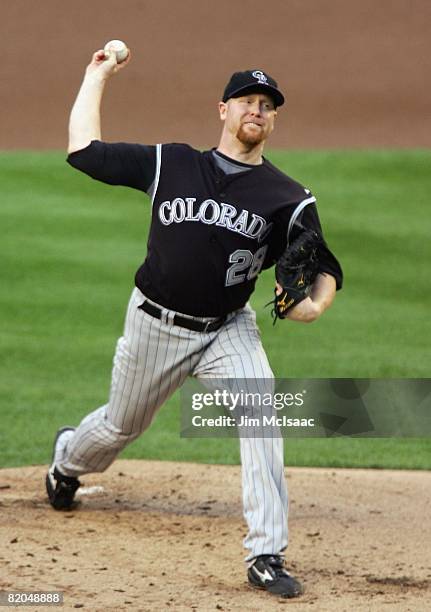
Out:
{"x": 258, "y": 74}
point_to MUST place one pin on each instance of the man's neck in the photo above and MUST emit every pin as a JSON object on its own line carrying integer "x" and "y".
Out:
{"x": 245, "y": 154}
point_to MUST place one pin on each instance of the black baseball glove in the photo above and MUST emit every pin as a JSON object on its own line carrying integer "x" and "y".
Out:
{"x": 296, "y": 271}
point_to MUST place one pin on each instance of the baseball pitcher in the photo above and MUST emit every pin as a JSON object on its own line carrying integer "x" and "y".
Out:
{"x": 219, "y": 217}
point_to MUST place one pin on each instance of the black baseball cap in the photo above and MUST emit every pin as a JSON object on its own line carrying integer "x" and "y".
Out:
{"x": 250, "y": 81}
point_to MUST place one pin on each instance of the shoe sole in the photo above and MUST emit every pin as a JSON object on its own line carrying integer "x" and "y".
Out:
{"x": 283, "y": 596}
{"x": 258, "y": 585}
{"x": 61, "y": 499}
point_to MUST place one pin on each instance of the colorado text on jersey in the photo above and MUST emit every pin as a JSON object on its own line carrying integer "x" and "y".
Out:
{"x": 211, "y": 212}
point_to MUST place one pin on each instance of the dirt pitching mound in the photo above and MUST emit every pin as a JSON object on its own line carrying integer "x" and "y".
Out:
{"x": 168, "y": 536}
{"x": 355, "y": 74}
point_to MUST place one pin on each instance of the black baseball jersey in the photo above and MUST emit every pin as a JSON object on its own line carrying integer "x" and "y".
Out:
{"x": 216, "y": 223}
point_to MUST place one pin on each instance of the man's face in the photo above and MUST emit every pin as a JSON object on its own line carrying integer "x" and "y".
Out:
{"x": 249, "y": 118}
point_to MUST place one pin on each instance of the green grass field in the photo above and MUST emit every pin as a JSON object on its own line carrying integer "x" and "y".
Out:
{"x": 69, "y": 250}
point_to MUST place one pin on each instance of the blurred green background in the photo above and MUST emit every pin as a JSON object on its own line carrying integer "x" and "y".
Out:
{"x": 70, "y": 247}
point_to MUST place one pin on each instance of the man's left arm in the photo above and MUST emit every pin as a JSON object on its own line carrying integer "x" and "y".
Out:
{"x": 329, "y": 276}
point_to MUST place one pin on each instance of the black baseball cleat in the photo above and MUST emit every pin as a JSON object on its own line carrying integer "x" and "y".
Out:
{"x": 268, "y": 572}
{"x": 61, "y": 489}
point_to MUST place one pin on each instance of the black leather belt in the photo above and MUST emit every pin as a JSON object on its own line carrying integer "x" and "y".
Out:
{"x": 198, "y": 326}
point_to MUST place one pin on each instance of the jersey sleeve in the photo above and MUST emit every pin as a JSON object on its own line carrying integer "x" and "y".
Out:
{"x": 328, "y": 263}
{"x": 120, "y": 163}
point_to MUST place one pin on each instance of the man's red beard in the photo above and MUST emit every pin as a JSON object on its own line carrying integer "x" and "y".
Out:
{"x": 249, "y": 137}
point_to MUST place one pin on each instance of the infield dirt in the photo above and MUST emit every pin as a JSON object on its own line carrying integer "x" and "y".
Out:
{"x": 355, "y": 74}
{"x": 153, "y": 535}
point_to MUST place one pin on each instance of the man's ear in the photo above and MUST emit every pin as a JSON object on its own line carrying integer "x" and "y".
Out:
{"x": 222, "y": 107}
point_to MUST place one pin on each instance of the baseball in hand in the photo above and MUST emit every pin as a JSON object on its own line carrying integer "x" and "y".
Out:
{"x": 120, "y": 48}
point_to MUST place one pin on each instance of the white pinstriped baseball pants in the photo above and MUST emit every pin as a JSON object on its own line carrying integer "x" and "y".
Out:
{"x": 152, "y": 359}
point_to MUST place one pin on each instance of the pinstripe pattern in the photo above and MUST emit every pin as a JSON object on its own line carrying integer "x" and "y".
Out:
{"x": 237, "y": 354}
{"x": 152, "y": 359}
